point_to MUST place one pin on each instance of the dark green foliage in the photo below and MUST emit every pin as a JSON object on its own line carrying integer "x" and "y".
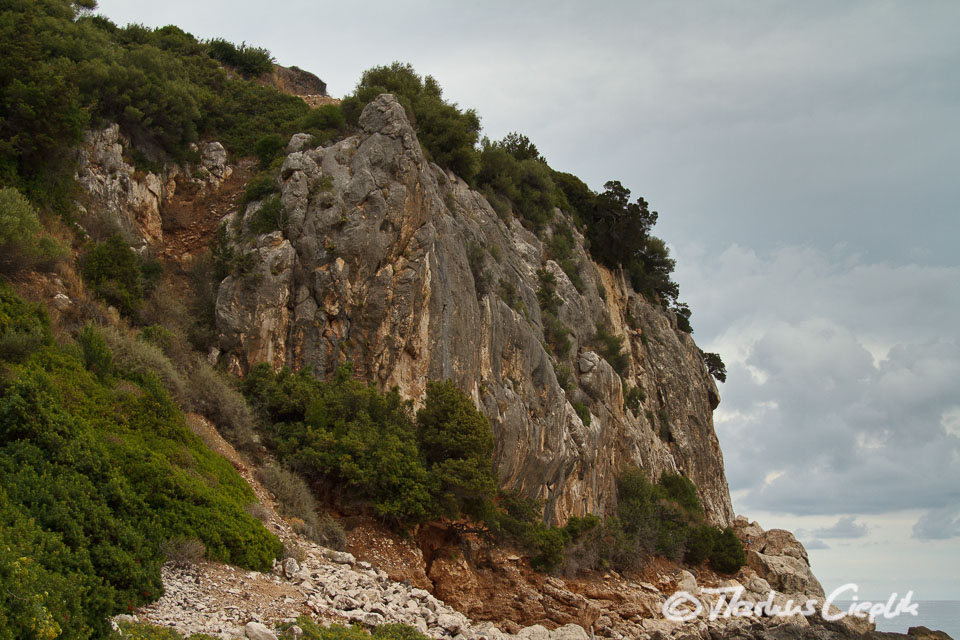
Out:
{"x": 249, "y": 61}
{"x": 345, "y": 438}
{"x": 700, "y": 543}
{"x": 513, "y": 171}
{"x": 457, "y": 444}
{"x": 564, "y": 377}
{"x": 357, "y": 445}
{"x": 715, "y": 365}
{"x": 269, "y": 216}
{"x": 727, "y": 555}
{"x": 682, "y": 491}
{"x": 24, "y": 327}
{"x": 583, "y": 412}
{"x": 117, "y": 276}
{"x": 96, "y": 475}
{"x": 259, "y": 187}
{"x": 448, "y": 135}
{"x": 477, "y": 259}
{"x": 611, "y": 348}
{"x": 518, "y": 519}
{"x": 326, "y": 123}
{"x": 683, "y": 317}
{"x": 269, "y": 148}
{"x": 96, "y": 355}
{"x": 63, "y": 72}
{"x": 22, "y": 243}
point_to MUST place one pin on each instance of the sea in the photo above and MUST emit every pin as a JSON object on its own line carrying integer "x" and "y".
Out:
{"x": 938, "y": 615}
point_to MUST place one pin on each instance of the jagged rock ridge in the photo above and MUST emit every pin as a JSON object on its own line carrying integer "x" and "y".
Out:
{"x": 372, "y": 266}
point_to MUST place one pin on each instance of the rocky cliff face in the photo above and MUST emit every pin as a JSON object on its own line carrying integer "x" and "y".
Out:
{"x": 119, "y": 198}
{"x": 387, "y": 261}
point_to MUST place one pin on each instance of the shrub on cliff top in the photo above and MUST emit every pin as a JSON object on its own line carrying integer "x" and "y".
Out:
{"x": 448, "y": 134}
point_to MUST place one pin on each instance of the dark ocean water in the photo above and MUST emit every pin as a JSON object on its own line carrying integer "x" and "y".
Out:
{"x": 939, "y": 615}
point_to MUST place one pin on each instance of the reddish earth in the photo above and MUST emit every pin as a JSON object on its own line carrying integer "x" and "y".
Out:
{"x": 497, "y": 583}
{"x": 191, "y": 218}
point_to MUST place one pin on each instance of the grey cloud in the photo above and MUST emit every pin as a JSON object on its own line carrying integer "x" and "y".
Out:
{"x": 809, "y": 424}
{"x": 938, "y": 524}
{"x": 815, "y": 545}
{"x": 845, "y": 527}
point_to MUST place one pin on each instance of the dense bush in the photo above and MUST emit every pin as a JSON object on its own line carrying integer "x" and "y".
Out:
{"x": 249, "y": 61}
{"x": 357, "y": 445}
{"x": 24, "y": 326}
{"x": 457, "y": 444}
{"x": 513, "y": 170}
{"x": 448, "y": 135}
{"x": 664, "y": 518}
{"x": 22, "y": 241}
{"x": 116, "y": 274}
{"x": 98, "y": 470}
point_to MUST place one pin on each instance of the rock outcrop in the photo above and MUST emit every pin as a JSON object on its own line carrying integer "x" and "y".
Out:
{"x": 120, "y": 198}
{"x": 389, "y": 262}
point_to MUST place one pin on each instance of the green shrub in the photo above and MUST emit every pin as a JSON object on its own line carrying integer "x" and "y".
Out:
{"x": 448, "y": 135}
{"x": 24, "y": 327}
{"x": 22, "y": 241}
{"x": 700, "y": 543}
{"x": 583, "y": 412}
{"x": 105, "y": 472}
{"x": 457, "y": 444}
{"x": 269, "y": 216}
{"x": 114, "y": 273}
{"x": 269, "y": 148}
{"x": 96, "y": 353}
{"x": 249, "y": 61}
{"x": 259, "y": 187}
{"x": 511, "y": 174}
{"x": 611, "y": 348}
{"x": 343, "y": 435}
{"x": 727, "y": 555}
{"x": 477, "y": 259}
{"x": 633, "y": 399}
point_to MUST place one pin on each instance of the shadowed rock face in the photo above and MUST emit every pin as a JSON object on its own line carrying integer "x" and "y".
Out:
{"x": 372, "y": 266}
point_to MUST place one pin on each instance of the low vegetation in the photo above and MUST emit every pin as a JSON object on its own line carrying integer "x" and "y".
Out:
{"x": 98, "y": 473}
{"x": 663, "y": 519}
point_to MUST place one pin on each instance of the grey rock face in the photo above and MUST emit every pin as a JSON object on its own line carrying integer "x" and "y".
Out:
{"x": 372, "y": 267}
{"x": 131, "y": 201}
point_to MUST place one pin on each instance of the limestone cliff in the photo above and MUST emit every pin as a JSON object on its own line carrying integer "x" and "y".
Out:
{"x": 387, "y": 261}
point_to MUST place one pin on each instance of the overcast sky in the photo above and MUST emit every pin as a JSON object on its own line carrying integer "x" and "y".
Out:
{"x": 805, "y": 161}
